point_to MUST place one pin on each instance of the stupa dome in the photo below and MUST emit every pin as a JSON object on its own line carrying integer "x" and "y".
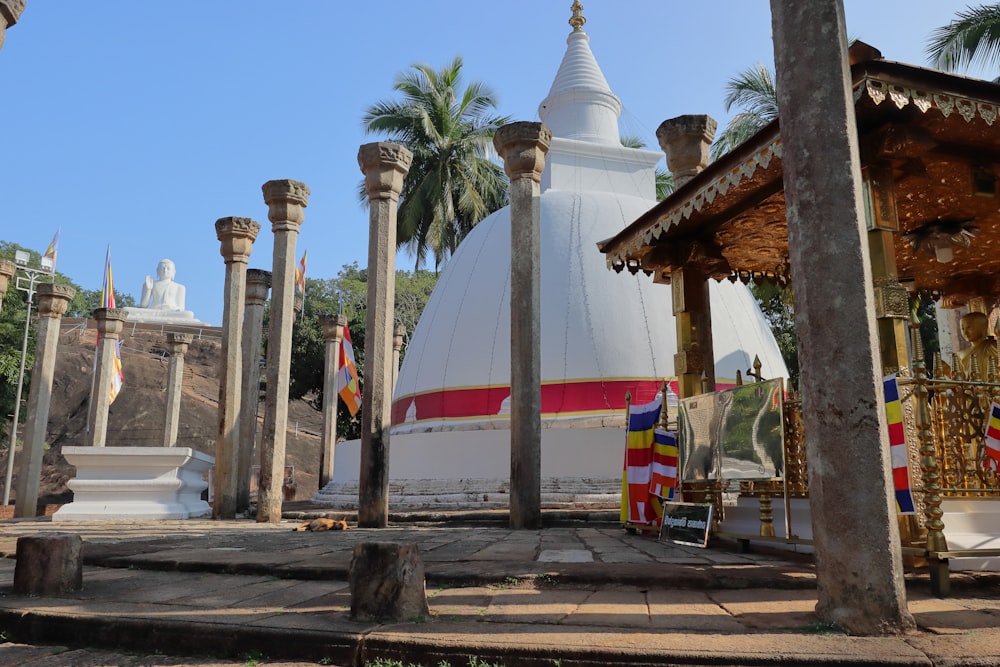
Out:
{"x": 602, "y": 333}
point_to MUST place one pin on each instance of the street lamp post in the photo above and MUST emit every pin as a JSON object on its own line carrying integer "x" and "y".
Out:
{"x": 25, "y": 283}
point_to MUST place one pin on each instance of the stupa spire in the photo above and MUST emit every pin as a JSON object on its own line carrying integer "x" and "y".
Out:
{"x": 580, "y": 104}
{"x": 578, "y": 19}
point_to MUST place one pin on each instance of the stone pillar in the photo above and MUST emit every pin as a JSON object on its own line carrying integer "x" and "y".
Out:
{"x": 177, "y": 345}
{"x": 385, "y": 166}
{"x": 236, "y": 237}
{"x": 7, "y": 270}
{"x": 397, "y": 345}
{"x": 52, "y": 303}
{"x": 258, "y": 285}
{"x": 286, "y": 201}
{"x": 859, "y": 569}
{"x": 333, "y": 332}
{"x": 110, "y": 322}
{"x": 686, "y": 140}
{"x": 523, "y": 146}
{"x": 48, "y": 564}
{"x": 10, "y": 11}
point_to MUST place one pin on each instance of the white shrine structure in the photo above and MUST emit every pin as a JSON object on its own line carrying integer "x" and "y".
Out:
{"x": 602, "y": 334}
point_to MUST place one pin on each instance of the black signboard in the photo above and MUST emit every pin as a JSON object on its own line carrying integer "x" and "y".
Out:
{"x": 686, "y": 523}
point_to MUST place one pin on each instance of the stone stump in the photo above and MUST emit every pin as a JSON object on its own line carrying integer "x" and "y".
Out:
{"x": 48, "y": 564}
{"x": 387, "y": 582}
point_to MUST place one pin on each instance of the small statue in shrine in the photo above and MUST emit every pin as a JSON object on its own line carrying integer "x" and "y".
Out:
{"x": 982, "y": 347}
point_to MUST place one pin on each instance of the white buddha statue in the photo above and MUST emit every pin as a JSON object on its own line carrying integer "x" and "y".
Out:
{"x": 162, "y": 300}
{"x": 164, "y": 293}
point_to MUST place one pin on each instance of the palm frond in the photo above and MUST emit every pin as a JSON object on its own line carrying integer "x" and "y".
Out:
{"x": 973, "y": 37}
{"x": 452, "y": 183}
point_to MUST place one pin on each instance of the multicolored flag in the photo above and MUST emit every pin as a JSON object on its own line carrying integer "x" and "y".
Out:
{"x": 300, "y": 276}
{"x": 992, "y": 449}
{"x": 663, "y": 471}
{"x": 347, "y": 376}
{"x": 897, "y": 446}
{"x": 638, "y": 506}
{"x": 108, "y": 288}
{"x": 108, "y": 301}
{"x": 49, "y": 258}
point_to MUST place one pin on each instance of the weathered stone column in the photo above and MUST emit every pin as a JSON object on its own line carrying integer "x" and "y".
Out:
{"x": 286, "y": 201}
{"x": 258, "y": 285}
{"x": 110, "y": 322}
{"x": 686, "y": 140}
{"x": 858, "y": 561}
{"x": 7, "y": 270}
{"x": 523, "y": 146}
{"x": 10, "y": 11}
{"x": 52, "y": 303}
{"x": 177, "y": 345}
{"x": 236, "y": 237}
{"x": 397, "y": 346}
{"x": 385, "y": 166}
{"x": 333, "y": 333}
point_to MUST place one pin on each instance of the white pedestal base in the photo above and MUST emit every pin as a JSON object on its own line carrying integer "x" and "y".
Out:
{"x": 136, "y": 483}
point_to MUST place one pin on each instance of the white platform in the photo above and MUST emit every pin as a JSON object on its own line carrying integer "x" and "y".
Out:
{"x": 972, "y": 523}
{"x": 136, "y": 483}
{"x": 969, "y": 523}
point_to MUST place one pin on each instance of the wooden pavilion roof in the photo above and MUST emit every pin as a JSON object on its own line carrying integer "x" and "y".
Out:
{"x": 931, "y": 137}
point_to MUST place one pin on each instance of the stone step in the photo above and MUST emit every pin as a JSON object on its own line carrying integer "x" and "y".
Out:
{"x": 478, "y": 494}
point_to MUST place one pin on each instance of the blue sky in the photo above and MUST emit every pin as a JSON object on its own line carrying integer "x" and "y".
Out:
{"x": 140, "y": 123}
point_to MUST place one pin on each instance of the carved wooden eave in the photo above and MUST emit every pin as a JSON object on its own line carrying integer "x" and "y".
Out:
{"x": 930, "y": 145}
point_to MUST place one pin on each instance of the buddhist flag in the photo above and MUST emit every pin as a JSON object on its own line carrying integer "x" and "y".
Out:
{"x": 300, "y": 276}
{"x": 993, "y": 438}
{"x": 347, "y": 376}
{"x": 663, "y": 472}
{"x": 897, "y": 446}
{"x": 49, "y": 258}
{"x": 108, "y": 301}
{"x": 638, "y": 506}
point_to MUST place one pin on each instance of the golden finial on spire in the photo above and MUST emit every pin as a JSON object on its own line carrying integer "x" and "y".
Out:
{"x": 578, "y": 19}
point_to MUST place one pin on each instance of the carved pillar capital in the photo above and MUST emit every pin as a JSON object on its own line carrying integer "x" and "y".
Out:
{"x": 7, "y": 269}
{"x": 686, "y": 140}
{"x": 384, "y": 165}
{"x": 237, "y": 236}
{"x": 398, "y": 332}
{"x": 333, "y": 326}
{"x": 523, "y": 146}
{"x": 10, "y": 12}
{"x": 53, "y": 300}
{"x": 285, "y": 201}
{"x": 110, "y": 321}
{"x": 258, "y": 283}
{"x": 177, "y": 343}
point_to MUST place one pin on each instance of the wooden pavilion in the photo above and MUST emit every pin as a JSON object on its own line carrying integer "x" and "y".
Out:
{"x": 930, "y": 158}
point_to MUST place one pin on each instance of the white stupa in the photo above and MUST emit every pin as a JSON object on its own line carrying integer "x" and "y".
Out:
{"x": 602, "y": 333}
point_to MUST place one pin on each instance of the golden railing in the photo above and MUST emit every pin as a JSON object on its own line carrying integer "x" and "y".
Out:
{"x": 945, "y": 422}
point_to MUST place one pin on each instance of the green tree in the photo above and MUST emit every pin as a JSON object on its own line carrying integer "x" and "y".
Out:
{"x": 452, "y": 183}
{"x": 348, "y": 292}
{"x": 753, "y": 92}
{"x": 779, "y": 310}
{"x": 12, "y": 316}
{"x": 973, "y": 37}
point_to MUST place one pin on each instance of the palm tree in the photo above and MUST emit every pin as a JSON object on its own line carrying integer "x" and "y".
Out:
{"x": 973, "y": 37}
{"x": 753, "y": 91}
{"x": 452, "y": 183}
